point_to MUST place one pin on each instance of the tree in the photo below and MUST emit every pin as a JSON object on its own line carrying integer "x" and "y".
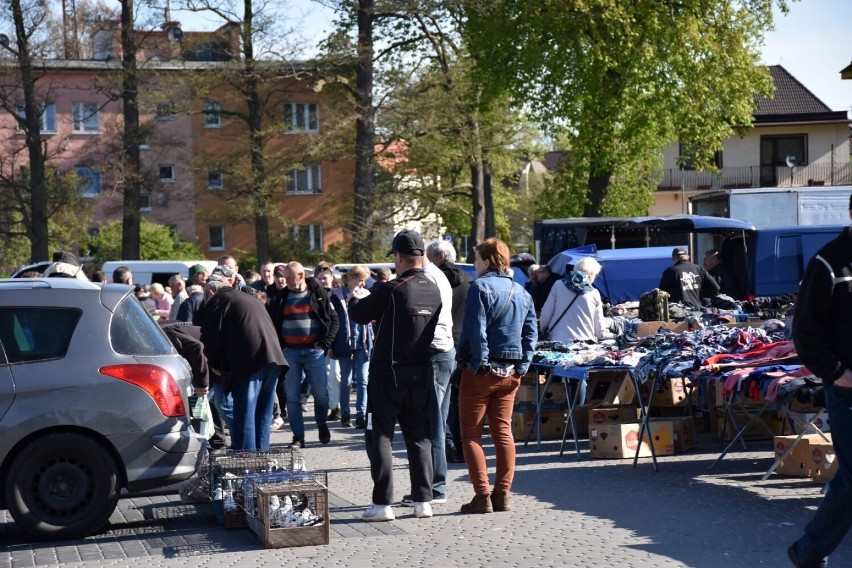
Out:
{"x": 131, "y": 156}
{"x": 156, "y": 242}
{"x": 624, "y": 80}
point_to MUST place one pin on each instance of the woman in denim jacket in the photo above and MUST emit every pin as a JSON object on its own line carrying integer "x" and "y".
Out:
{"x": 498, "y": 338}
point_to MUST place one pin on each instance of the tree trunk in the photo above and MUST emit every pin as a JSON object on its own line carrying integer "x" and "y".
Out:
{"x": 364, "y": 137}
{"x": 131, "y": 168}
{"x": 477, "y": 190}
{"x": 36, "y": 223}
{"x": 488, "y": 195}
{"x": 598, "y": 184}
{"x": 260, "y": 192}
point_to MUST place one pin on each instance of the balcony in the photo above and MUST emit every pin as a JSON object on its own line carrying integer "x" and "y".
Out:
{"x": 818, "y": 174}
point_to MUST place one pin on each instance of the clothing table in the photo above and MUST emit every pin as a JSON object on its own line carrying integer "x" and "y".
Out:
{"x": 579, "y": 375}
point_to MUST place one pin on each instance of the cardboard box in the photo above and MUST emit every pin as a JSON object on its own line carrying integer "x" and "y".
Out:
{"x": 771, "y": 426}
{"x": 824, "y": 462}
{"x": 609, "y": 387}
{"x": 621, "y": 440}
{"x": 670, "y": 393}
{"x": 552, "y": 425}
{"x": 647, "y": 328}
{"x": 619, "y": 413}
{"x": 554, "y": 395}
{"x": 798, "y": 462}
{"x": 581, "y": 419}
{"x": 823, "y": 422}
{"x": 683, "y": 429}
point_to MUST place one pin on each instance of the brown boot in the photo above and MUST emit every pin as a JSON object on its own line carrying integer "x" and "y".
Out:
{"x": 500, "y": 501}
{"x": 479, "y": 504}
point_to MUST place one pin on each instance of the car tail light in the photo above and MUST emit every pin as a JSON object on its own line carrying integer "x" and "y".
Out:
{"x": 156, "y": 381}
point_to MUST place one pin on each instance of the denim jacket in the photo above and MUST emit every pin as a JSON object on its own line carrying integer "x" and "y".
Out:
{"x": 512, "y": 337}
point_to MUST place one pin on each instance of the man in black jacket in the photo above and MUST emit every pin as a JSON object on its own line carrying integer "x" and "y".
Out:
{"x": 400, "y": 385}
{"x": 687, "y": 282}
{"x": 306, "y": 323}
{"x": 241, "y": 345}
{"x": 822, "y": 333}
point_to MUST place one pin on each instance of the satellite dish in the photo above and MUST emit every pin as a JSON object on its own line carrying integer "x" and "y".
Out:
{"x": 792, "y": 160}
{"x": 175, "y": 33}
{"x": 4, "y": 41}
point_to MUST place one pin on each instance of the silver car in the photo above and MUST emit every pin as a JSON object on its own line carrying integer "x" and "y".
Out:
{"x": 93, "y": 399}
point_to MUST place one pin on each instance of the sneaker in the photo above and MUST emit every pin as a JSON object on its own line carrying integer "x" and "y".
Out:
{"x": 439, "y": 499}
{"x": 378, "y": 513}
{"x": 422, "y": 510}
{"x": 345, "y": 421}
{"x": 407, "y": 501}
{"x": 297, "y": 442}
{"x": 304, "y": 407}
{"x": 334, "y": 414}
{"x": 360, "y": 423}
{"x": 455, "y": 458}
{"x": 324, "y": 434}
{"x": 277, "y": 423}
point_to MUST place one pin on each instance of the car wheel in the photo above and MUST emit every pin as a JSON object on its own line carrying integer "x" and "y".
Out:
{"x": 62, "y": 486}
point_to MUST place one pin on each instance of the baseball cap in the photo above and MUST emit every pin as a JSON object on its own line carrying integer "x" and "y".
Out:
{"x": 679, "y": 252}
{"x": 279, "y": 270}
{"x": 193, "y": 270}
{"x": 223, "y": 271}
{"x": 407, "y": 242}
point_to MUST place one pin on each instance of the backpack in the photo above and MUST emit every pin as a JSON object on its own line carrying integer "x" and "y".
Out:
{"x": 654, "y": 305}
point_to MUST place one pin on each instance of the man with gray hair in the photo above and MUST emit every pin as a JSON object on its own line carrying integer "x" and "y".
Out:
{"x": 178, "y": 287}
{"x": 443, "y": 255}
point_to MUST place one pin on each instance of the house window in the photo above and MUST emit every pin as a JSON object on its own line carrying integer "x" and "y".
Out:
{"x": 216, "y": 236}
{"x": 88, "y": 181}
{"x": 85, "y": 118}
{"x": 686, "y": 161}
{"x": 164, "y": 111}
{"x": 301, "y": 117}
{"x": 774, "y": 151}
{"x": 144, "y": 202}
{"x": 167, "y": 173}
{"x": 212, "y": 115}
{"x": 215, "y": 180}
{"x": 305, "y": 181}
{"x": 48, "y": 116}
{"x": 309, "y": 234}
{"x": 204, "y": 52}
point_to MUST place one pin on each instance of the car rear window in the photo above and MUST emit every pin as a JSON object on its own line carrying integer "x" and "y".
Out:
{"x": 133, "y": 332}
{"x": 36, "y": 334}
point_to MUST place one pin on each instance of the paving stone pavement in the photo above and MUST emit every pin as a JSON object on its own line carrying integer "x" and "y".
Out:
{"x": 564, "y": 513}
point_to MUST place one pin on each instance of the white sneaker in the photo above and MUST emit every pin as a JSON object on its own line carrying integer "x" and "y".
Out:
{"x": 422, "y": 510}
{"x": 278, "y": 423}
{"x": 380, "y": 513}
{"x": 440, "y": 500}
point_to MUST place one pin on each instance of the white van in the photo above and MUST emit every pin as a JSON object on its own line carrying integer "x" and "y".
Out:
{"x": 150, "y": 271}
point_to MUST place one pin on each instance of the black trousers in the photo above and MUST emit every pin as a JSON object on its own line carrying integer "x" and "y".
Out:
{"x": 399, "y": 394}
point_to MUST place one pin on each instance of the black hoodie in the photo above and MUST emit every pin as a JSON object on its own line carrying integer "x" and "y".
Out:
{"x": 459, "y": 281}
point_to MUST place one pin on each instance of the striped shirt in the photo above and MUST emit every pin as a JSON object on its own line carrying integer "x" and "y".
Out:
{"x": 300, "y": 326}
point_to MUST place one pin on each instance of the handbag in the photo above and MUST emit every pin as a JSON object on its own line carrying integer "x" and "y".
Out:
{"x": 200, "y": 416}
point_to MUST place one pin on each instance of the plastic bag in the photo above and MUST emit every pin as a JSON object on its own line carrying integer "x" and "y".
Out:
{"x": 200, "y": 415}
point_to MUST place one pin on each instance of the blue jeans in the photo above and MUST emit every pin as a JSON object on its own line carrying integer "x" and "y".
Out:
{"x": 833, "y": 519}
{"x": 311, "y": 362}
{"x": 253, "y": 400}
{"x": 224, "y": 404}
{"x": 354, "y": 371}
{"x": 439, "y": 407}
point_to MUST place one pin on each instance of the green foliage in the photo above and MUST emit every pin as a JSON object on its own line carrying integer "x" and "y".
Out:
{"x": 157, "y": 243}
{"x": 624, "y": 79}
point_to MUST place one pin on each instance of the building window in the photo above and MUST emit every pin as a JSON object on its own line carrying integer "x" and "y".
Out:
{"x": 301, "y": 117}
{"x": 215, "y": 180}
{"x": 85, "y": 117}
{"x": 305, "y": 181}
{"x": 164, "y": 111}
{"x": 48, "y": 116}
{"x": 167, "y": 173}
{"x": 88, "y": 181}
{"x": 216, "y": 236}
{"x": 212, "y": 115}
{"x": 686, "y": 161}
{"x": 311, "y": 235}
{"x": 774, "y": 151}
{"x": 144, "y": 202}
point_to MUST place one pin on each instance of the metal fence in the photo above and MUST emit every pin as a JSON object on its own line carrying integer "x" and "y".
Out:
{"x": 819, "y": 174}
